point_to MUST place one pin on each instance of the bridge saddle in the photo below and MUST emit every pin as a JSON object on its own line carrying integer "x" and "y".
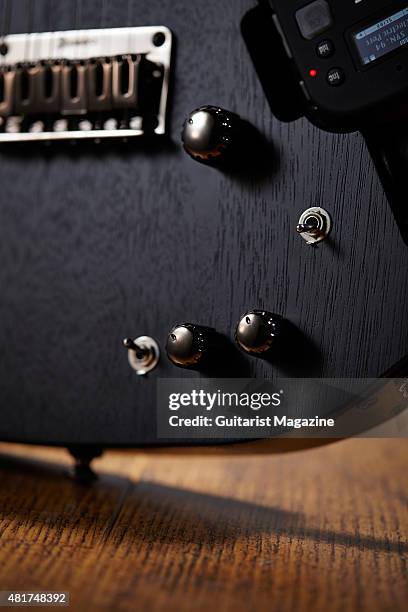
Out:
{"x": 84, "y": 84}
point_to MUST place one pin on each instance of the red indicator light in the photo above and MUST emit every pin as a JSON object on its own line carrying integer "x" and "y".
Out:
{"x": 313, "y": 73}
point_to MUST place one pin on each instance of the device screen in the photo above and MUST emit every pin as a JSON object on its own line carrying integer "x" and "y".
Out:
{"x": 383, "y": 37}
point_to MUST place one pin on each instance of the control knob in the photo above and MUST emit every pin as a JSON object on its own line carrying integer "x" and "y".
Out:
{"x": 258, "y": 331}
{"x": 209, "y": 134}
{"x": 189, "y": 345}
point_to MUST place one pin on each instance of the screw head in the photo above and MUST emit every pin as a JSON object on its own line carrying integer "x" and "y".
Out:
{"x": 159, "y": 39}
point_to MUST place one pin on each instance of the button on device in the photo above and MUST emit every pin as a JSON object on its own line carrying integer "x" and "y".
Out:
{"x": 314, "y": 19}
{"x": 325, "y": 49}
{"x": 335, "y": 77}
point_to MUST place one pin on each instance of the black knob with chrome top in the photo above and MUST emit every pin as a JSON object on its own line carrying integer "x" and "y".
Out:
{"x": 210, "y": 133}
{"x": 258, "y": 332}
{"x": 190, "y": 346}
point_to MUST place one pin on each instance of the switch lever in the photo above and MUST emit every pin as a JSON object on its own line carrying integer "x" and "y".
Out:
{"x": 306, "y": 228}
{"x": 314, "y": 225}
{"x": 143, "y": 354}
{"x": 137, "y": 348}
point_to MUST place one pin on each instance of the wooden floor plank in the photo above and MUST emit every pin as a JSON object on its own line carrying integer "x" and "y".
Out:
{"x": 315, "y": 530}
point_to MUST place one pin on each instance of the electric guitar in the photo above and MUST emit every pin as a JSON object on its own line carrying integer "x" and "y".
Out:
{"x": 159, "y": 221}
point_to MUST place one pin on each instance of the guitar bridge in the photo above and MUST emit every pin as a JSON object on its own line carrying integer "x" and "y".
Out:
{"x": 84, "y": 84}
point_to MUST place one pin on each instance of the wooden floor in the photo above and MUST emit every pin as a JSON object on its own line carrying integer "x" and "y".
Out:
{"x": 320, "y": 530}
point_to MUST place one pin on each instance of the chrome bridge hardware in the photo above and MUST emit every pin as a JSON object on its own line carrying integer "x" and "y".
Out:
{"x": 85, "y": 84}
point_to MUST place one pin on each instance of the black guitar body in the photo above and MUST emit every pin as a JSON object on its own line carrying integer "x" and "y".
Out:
{"x": 100, "y": 241}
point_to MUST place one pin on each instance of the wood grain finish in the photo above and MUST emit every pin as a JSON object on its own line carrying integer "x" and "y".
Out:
{"x": 99, "y": 243}
{"x": 317, "y": 530}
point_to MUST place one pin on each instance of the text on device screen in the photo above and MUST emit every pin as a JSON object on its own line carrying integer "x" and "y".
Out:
{"x": 383, "y": 37}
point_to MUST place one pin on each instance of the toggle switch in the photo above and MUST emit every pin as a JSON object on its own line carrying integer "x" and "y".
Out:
{"x": 190, "y": 346}
{"x": 258, "y": 331}
{"x": 314, "y": 225}
{"x": 143, "y": 354}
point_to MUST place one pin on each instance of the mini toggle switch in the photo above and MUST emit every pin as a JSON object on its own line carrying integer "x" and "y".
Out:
{"x": 258, "y": 331}
{"x": 314, "y": 225}
{"x": 190, "y": 346}
{"x": 143, "y": 354}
